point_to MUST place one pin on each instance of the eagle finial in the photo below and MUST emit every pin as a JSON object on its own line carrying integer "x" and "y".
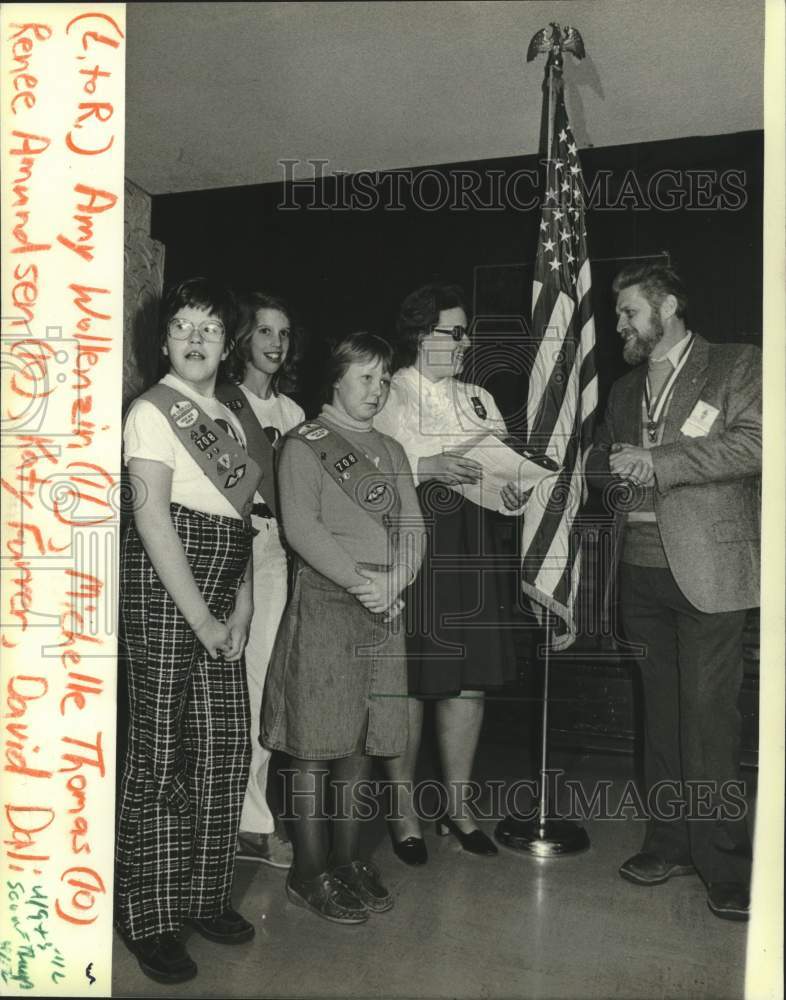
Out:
{"x": 555, "y": 40}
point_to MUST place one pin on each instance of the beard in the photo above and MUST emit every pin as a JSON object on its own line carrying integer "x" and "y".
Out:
{"x": 640, "y": 344}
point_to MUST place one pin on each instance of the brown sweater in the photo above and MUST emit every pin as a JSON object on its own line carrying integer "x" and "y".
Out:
{"x": 329, "y": 530}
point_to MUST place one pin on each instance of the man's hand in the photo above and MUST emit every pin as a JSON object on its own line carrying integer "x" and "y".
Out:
{"x": 630, "y": 462}
{"x": 449, "y": 467}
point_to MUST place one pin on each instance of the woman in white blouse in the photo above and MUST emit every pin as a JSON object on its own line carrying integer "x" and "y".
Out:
{"x": 456, "y": 647}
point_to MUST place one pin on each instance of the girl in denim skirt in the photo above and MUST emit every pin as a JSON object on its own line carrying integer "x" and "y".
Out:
{"x": 336, "y": 687}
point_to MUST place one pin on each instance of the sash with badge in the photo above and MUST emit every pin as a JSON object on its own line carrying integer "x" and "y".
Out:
{"x": 257, "y": 442}
{"x": 231, "y": 470}
{"x": 352, "y": 471}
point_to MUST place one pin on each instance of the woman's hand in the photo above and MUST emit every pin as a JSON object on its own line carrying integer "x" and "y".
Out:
{"x": 449, "y": 467}
{"x": 514, "y": 496}
{"x": 214, "y": 636}
{"x": 381, "y": 589}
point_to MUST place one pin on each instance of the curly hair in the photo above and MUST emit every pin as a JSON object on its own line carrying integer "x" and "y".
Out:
{"x": 418, "y": 314}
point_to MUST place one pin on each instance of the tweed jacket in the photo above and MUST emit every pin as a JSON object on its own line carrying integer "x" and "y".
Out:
{"x": 707, "y": 488}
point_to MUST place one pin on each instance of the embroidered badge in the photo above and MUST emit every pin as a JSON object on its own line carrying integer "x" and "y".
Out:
{"x": 307, "y": 427}
{"x": 318, "y": 434}
{"x": 234, "y": 477}
{"x": 376, "y": 493}
{"x": 184, "y": 413}
{"x": 234, "y": 404}
{"x": 224, "y": 463}
{"x": 478, "y": 407}
{"x": 344, "y": 463}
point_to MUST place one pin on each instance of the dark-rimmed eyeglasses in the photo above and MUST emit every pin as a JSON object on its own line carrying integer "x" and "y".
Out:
{"x": 458, "y": 333}
{"x": 211, "y": 330}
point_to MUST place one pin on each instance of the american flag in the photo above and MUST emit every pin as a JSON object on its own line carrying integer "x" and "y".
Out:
{"x": 563, "y": 388}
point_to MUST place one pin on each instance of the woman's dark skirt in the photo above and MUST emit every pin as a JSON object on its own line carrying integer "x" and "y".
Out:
{"x": 459, "y": 619}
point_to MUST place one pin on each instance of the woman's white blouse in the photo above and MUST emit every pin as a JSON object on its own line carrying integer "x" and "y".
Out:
{"x": 427, "y": 418}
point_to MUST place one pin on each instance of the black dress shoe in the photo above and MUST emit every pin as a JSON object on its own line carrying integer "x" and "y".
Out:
{"x": 227, "y": 928}
{"x": 411, "y": 851}
{"x": 475, "y": 843}
{"x": 729, "y": 900}
{"x": 163, "y": 958}
{"x": 649, "y": 869}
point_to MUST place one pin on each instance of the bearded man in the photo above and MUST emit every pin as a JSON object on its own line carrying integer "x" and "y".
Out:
{"x": 682, "y": 437}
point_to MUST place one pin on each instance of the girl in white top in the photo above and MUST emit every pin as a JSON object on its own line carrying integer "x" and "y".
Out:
{"x": 263, "y": 359}
{"x": 185, "y": 608}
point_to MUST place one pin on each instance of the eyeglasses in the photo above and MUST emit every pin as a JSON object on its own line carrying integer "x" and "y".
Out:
{"x": 181, "y": 329}
{"x": 458, "y": 333}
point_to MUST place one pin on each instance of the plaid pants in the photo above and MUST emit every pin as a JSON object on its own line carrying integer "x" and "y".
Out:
{"x": 188, "y": 743}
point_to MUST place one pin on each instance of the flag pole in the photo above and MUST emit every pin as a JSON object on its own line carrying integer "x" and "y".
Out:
{"x": 546, "y": 836}
{"x": 544, "y": 734}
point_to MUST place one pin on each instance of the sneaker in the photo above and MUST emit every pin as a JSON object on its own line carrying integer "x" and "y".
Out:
{"x": 268, "y": 848}
{"x": 328, "y": 897}
{"x": 163, "y": 958}
{"x": 227, "y": 928}
{"x": 362, "y": 879}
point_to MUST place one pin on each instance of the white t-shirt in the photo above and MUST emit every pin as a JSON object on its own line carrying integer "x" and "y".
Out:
{"x": 147, "y": 433}
{"x": 277, "y": 415}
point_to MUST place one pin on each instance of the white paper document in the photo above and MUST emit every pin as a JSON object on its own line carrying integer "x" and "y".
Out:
{"x": 501, "y": 465}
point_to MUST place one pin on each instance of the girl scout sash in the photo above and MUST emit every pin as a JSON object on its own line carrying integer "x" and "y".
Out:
{"x": 232, "y": 471}
{"x": 371, "y": 489}
{"x": 259, "y": 446}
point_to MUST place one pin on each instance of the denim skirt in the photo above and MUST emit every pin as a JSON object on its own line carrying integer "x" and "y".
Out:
{"x": 337, "y": 681}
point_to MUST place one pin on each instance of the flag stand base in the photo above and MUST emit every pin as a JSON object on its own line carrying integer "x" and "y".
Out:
{"x": 550, "y": 838}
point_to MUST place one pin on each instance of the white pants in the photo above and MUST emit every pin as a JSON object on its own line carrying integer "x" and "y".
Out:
{"x": 270, "y": 595}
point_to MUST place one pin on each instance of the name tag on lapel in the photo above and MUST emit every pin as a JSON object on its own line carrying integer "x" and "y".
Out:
{"x": 701, "y": 419}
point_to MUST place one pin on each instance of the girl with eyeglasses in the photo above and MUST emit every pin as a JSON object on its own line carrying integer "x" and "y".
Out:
{"x": 185, "y": 607}
{"x": 455, "y": 645}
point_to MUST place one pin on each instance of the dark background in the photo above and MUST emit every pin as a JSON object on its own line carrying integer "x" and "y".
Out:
{"x": 343, "y": 270}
